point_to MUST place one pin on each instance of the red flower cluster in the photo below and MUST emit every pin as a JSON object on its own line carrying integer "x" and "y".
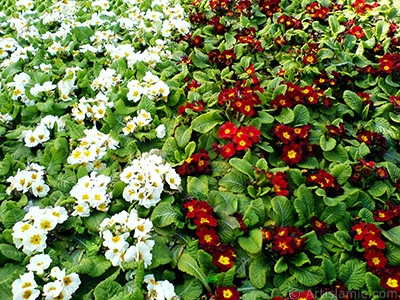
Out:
{"x": 311, "y": 54}
{"x": 218, "y": 27}
{"x": 223, "y": 59}
{"x": 361, "y": 6}
{"x": 370, "y": 235}
{"x": 197, "y": 18}
{"x": 223, "y": 254}
{"x": 390, "y": 215}
{"x": 366, "y": 102}
{"x": 376, "y": 142}
{"x": 230, "y": 293}
{"x": 389, "y": 63}
{"x": 269, "y": 7}
{"x": 289, "y": 22}
{"x": 319, "y": 226}
{"x": 243, "y": 97}
{"x": 300, "y": 95}
{"x": 294, "y": 142}
{"x": 325, "y": 181}
{"x": 286, "y": 240}
{"x": 194, "y": 106}
{"x": 336, "y": 131}
{"x": 317, "y": 11}
{"x": 242, "y": 139}
{"x": 195, "y": 165}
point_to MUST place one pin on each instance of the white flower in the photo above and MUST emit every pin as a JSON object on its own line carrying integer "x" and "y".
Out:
{"x": 45, "y": 68}
{"x": 52, "y": 289}
{"x": 39, "y": 263}
{"x": 34, "y": 240}
{"x": 25, "y": 281}
{"x": 40, "y": 188}
{"x": 114, "y": 242}
{"x": 161, "y": 131}
{"x": 30, "y": 139}
{"x": 26, "y": 294}
{"x": 48, "y": 86}
{"x": 82, "y": 209}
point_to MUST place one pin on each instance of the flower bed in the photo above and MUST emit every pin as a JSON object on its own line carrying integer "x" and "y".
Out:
{"x": 199, "y": 150}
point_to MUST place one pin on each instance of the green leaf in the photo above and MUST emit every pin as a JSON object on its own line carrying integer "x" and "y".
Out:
{"x": 107, "y": 289}
{"x": 313, "y": 244}
{"x": 182, "y": 135}
{"x": 328, "y": 296}
{"x": 13, "y": 216}
{"x": 304, "y": 204}
{"x": 309, "y": 276}
{"x": 353, "y": 101}
{"x": 190, "y": 290}
{"x": 392, "y": 253}
{"x": 286, "y": 116}
{"x": 75, "y": 130}
{"x": 299, "y": 259}
{"x": 327, "y": 145}
{"x": 284, "y": 211}
{"x": 94, "y": 220}
{"x": 164, "y": 214}
{"x": 223, "y": 202}
{"x": 373, "y": 283}
{"x": 243, "y": 166}
{"x": 11, "y": 252}
{"x": 258, "y": 271}
{"x": 100, "y": 266}
{"x": 393, "y": 235}
{"x": 234, "y": 181}
{"x": 225, "y": 279}
{"x": 352, "y": 274}
{"x": 147, "y": 104}
{"x": 301, "y": 115}
{"x": 82, "y": 34}
{"x": 205, "y": 122}
{"x": 198, "y": 188}
{"x": 281, "y": 265}
{"x": 333, "y": 214}
{"x": 334, "y": 24}
{"x": 188, "y": 265}
{"x": 253, "y": 243}
{"x": 341, "y": 172}
{"x": 338, "y": 154}
{"x": 201, "y": 77}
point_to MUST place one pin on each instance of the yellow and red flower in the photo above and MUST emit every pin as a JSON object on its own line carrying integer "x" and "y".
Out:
{"x": 207, "y": 236}
{"x": 376, "y": 259}
{"x": 227, "y": 131}
{"x": 225, "y": 293}
{"x": 292, "y": 154}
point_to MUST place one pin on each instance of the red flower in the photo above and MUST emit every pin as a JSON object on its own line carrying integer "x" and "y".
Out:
{"x": 192, "y": 208}
{"x": 361, "y": 231}
{"x": 247, "y": 108}
{"x": 373, "y": 242}
{"x": 382, "y": 215}
{"x": 319, "y": 226}
{"x": 280, "y": 184}
{"x": 250, "y": 70}
{"x": 207, "y": 236}
{"x": 230, "y": 293}
{"x": 228, "y": 150}
{"x": 306, "y": 295}
{"x": 227, "y": 131}
{"x": 204, "y": 207}
{"x": 204, "y": 219}
{"x": 310, "y": 58}
{"x": 381, "y": 173}
{"x": 243, "y": 143}
{"x": 357, "y": 31}
{"x": 376, "y": 259}
{"x": 284, "y": 133}
{"x": 267, "y": 236}
{"x": 395, "y": 101}
{"x": 224, "y": 261}
{"x": 390, "y": 281}
{"x": 253, "y": 133}
{"x": 292, "y": 154}
{"x": 284, "y": 245}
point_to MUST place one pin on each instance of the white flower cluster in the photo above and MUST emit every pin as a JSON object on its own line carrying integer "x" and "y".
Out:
{"x": 9, "y": 47}
{"x": 91, "y": 192}
{"x": 41, "y": 134}
{"x": 106, "y": 80}
{"x": 91, "y": 149}
{"x": 19, "y": 83}
{"x": 62, "y": 287}
{"x": 115, "y": 232}
{"x": 159, "y": 290}
{"x": 145, "y": 179}
{"x": 151, "y": 86}
{"x": 31, "y": 233}
{"x": 143, "y": 118}
{"x": 31, "y": 179}
{"x": 91, "y": 108}
{"x": 67, "y": 85}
